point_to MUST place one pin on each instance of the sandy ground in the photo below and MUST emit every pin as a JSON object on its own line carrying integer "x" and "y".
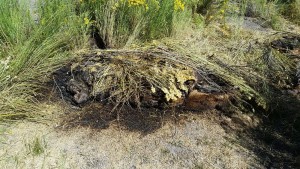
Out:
{"x": 198, "y": 142}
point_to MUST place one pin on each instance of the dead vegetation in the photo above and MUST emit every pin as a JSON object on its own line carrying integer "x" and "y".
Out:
{"x": 137, "y": 78}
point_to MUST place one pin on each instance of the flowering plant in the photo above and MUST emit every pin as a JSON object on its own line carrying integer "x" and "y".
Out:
{"x": 121, "y": 21}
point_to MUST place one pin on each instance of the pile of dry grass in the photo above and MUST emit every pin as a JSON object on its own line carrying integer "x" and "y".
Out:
{"x": 144, "y": 77}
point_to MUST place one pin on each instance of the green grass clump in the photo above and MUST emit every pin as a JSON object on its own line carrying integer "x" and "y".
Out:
{"x": 291, "y": 10}
{"x": 268, "y": 11}
{"x": 36, "y": 147}
{"x": 273, "y": 12}
{"x": 15, "y": 25}
{"x": 33, "y": 49}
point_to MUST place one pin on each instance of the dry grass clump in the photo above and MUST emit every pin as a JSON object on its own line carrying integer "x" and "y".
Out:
{"x": 244, "y": 59}
{"x": 150, "y": 78}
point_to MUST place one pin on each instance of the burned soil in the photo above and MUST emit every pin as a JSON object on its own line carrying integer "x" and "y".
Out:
{"x": 102, "y": 81}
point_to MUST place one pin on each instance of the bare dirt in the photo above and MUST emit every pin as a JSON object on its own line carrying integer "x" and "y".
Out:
{"x": 192, "y": 141}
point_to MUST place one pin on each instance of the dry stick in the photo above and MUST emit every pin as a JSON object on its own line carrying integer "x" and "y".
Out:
{"x": 61, "y": 94}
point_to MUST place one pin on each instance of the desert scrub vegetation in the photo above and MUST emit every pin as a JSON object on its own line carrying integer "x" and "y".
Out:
{"x": 35, "y": 42}
{"x": 209, "y": 10}
{"x": 121, "y": 22}
{"x": 30, "y": 50}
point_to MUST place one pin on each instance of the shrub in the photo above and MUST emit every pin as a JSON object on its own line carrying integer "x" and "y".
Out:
{"x": 121, "y": 22}
{"x": 210, "y": 10}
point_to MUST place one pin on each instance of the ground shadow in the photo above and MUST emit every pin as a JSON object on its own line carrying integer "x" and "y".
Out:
{"x": 97, "y": 116}
{"x": 276, "y": 141}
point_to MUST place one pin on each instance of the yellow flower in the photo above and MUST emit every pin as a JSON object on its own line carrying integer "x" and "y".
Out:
{"x": 86, "y": 20}
{"x": 142, "y": 3}
{"x": 137, "y": 2}
{"x": 178, "y": 5}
